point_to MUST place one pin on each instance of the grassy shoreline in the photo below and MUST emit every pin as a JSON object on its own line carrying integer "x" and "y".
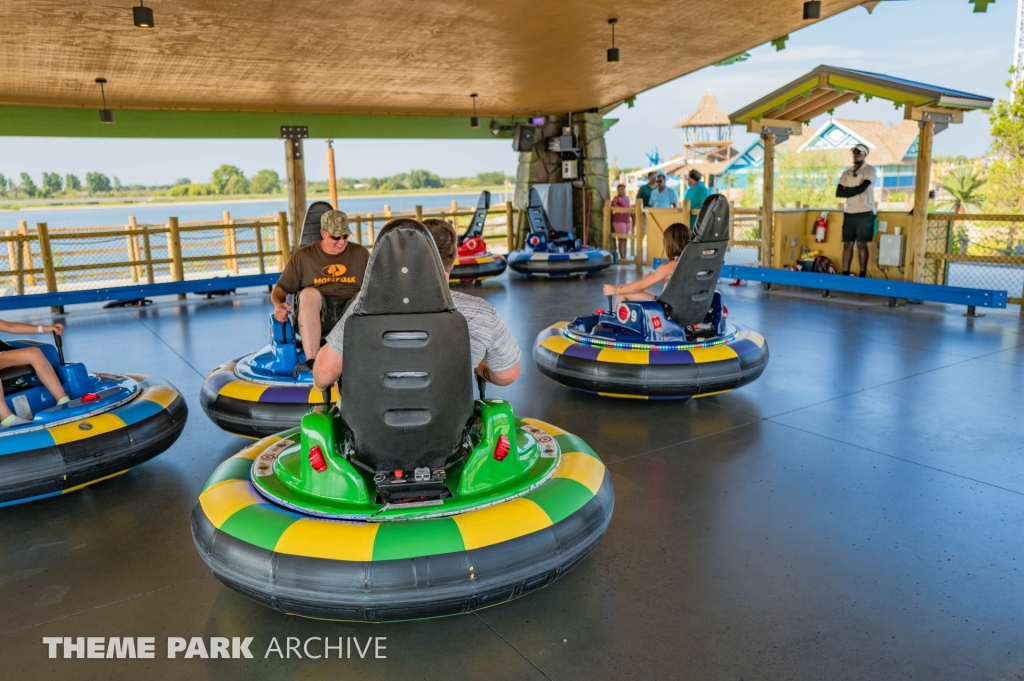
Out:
{"x": 117, "y": 202}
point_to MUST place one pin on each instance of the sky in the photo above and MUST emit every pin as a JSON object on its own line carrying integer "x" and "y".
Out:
{"x": 949, "y": 46}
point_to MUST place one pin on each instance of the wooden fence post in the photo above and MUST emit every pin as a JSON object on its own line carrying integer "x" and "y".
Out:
{"x": 419, "y": 213}
{"x": 387, "y": 211}
{"x": 281, "y": 241}
{"x": 455, "y": 214}
{"x": 17, "y": 283}
{"x": 132, "y": 255}
{"x": 638, "y": 239}
{"x": 46, "y": 254}
{"x": 147, "y": 250}
{"x": 371, "y": 238}
{"x": 29, "y": 261}
{"x": 230, "y": 243}
{"x": 509, "y": 226}
{"x": 259, "y": 247}
{"x": 174, "y": 247}
{"x": 359, "y": 230}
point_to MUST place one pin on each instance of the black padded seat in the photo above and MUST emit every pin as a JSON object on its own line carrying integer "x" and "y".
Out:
{"x": 476, "y": 225}
{"x": 407, "y": 390}
{"x": 311, "y": 225}
{"x": 539, "y": 221}
{"x": 688, "y": 294}
{"x": 13, "y": 379}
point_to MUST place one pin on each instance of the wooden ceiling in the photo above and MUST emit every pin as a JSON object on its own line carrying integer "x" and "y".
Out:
{"x": 369, "y": 56}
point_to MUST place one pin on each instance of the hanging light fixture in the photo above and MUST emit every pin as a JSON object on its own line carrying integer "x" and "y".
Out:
{"x": 474, "y": 122}
{"x": 143, "y": 16}
{"x": 106, "y": 115}
{"x": 812, "y": 10}
{"x": 613, "y": 52}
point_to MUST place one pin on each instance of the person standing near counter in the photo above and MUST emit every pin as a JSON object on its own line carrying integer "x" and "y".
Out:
{"x": 697, "y": 193}
{"x": 663, "y": 196}
{"x": 644, "y": 193}
{"x": 857, "y": 186}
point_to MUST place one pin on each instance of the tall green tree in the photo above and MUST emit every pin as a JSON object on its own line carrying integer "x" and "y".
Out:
{"x": 52, "y": 184}
{"x": 221, "y": 176}
{"x": 238, "y": 185}
{"x": 265, "y": 182}
{"x": 1006, "y": 171}
{"x": 72, "y": 183}
{"x": 97, "y": 183}
{"x": 3, "y": 186}
{"x": 28, "y": 187}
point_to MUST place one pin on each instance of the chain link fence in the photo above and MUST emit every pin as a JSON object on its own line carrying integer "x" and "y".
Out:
{"x": 976, "y": 251}
{"x": 745, "y": 240}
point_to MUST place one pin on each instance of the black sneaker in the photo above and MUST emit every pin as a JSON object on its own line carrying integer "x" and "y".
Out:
{"x": 302, "y": 368}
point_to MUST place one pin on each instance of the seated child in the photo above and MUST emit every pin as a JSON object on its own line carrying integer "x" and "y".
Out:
{"x": 676, "y": 237}
{"x": 34, "y": 358}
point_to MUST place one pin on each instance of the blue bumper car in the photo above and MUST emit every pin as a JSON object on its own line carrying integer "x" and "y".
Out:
{"x": 552, "y": 253}
{"x": 258, "y": 394}
{"x": 112, "y": 423}
{"x": 678, "y": 346}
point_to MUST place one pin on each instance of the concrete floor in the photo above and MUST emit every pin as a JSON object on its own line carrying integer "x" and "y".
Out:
{"x": 854, "y": 514}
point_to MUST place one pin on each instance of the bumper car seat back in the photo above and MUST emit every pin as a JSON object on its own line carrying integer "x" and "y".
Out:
{"x": 476, "y": 225}
{"x": 311, "y": 225}
{"x": 689, "y": 293}
{"x": 407, "y": 393}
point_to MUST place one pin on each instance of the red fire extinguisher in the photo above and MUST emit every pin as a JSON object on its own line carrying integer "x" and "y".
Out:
{"x": 820, "y": 226}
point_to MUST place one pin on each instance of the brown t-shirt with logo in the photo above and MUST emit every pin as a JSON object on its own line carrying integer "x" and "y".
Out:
{"x": 335, "y": 276}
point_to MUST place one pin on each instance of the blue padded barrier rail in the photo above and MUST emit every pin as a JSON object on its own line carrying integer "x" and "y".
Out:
{"x": 954, "y": 295}
{"x": 136, "y": 291}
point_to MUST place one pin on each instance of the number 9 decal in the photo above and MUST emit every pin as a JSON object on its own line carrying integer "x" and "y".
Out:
{"x": 632, "y": 316}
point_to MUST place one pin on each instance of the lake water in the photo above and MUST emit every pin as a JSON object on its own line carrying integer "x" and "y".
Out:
{"x": 147, "y": 214}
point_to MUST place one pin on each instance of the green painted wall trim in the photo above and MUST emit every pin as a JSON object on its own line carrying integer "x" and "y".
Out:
{"x": 39, "y": 121}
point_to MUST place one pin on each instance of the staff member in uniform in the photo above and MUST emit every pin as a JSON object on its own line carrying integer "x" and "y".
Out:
{"x": 857, "y": 186}
{"x": 325, "y": 276}
{"x": 697, "y": 193}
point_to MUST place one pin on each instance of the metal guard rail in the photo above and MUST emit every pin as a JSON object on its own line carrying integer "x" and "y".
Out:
{"x": 114, "y": 293}
{"x": 953, "y": 295}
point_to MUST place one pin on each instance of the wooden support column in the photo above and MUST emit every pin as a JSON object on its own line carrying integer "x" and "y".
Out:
{"x": 919, "y": 224}
{"x": 768, "y": 200}
{"x": 332, "y": 180}
{"x": 296, "y": 167}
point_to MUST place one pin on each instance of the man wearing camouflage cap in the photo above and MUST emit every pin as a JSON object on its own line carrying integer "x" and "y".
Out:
{"x": 324, "y": 277}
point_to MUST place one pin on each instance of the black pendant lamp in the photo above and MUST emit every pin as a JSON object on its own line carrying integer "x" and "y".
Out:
{"x": 143, "y": 16}
{"x": 474, "y": 122}
{"x": 812, "y": 10}
{"x": 613, "y": 52}
{"x": 106, "y": 115}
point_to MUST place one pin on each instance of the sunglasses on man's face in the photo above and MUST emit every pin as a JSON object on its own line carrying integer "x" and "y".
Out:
{"x": 343, "y": 237}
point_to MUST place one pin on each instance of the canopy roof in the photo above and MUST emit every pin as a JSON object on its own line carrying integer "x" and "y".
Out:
{"x": 826, "y": 87}
{"x": 360, "y": 57}
{"x": 708, "y": 113}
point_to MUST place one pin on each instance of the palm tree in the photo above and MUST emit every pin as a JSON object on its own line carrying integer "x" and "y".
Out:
{"x": 963, "y": 185}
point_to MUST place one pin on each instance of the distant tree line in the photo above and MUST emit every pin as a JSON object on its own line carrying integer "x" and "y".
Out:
{"x": 230, "y": 180}
{"x": 413, "y": 180}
